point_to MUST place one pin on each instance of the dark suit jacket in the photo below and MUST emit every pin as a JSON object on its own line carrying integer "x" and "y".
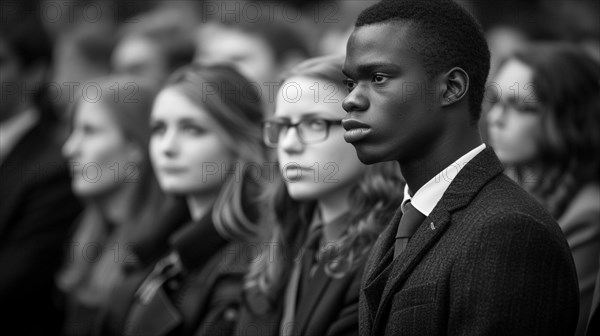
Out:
{"x": 328, "y": 307}
{"x": 488, "y": 260}
{"x": 37, "y": 209}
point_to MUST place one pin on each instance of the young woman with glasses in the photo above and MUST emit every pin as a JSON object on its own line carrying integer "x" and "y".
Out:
{"x": 326, "y": 207}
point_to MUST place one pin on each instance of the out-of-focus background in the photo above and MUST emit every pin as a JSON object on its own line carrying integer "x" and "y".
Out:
{"x": 53, "y": 53}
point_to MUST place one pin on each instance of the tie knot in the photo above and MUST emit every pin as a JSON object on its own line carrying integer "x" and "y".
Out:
{"x": 410, "y": 221}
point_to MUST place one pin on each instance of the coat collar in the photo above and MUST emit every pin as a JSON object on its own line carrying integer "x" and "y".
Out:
{"x": 186, "y": 242}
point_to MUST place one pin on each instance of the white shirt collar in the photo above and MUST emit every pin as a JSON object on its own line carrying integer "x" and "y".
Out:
{"x": 428, "y": 196}
{"x": 13, "y": 129}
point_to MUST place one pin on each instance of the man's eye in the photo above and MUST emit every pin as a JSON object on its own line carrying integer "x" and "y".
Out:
{"x": 350, "y": 84}
{"x": 379, "y": 79}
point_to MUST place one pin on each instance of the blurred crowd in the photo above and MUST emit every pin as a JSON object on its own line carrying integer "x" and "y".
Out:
{"x": 147, "y": 190}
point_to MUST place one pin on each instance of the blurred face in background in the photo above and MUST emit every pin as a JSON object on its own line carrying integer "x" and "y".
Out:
{"x": 513, "y": 121}
{"x": 188, "y": 154}
{"x": 139, "y": 56}
{"x": 100, "y": 155}
{"x": 17, "y": 82}
{"x": 323, "y": 168}
{"x": 249, "y": 53}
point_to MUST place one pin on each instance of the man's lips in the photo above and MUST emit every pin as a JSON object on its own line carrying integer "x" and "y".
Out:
{"x": 355, "y": 130}
{"x": 349, "y": 124}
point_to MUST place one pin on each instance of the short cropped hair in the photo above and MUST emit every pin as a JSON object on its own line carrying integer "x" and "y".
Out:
{"x": 445, "y": 35}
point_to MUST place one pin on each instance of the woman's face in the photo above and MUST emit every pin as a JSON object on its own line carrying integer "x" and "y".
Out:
{"x": 317, "y": 170}
{"x": 514, "y": 121}
{"x": 101, "y": 158}
{"x": 188, "y": 154}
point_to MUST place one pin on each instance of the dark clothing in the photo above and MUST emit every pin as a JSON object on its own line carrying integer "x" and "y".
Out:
{"x": 593, "y": 327}
{"x": 329, "y": 307}
{"x": 325, "y": 306}
{"x": 488, "y": 260}
{"x": 580, "y": 223}
{"x": 201, "y": 298}
{"x": 37, "y": 210}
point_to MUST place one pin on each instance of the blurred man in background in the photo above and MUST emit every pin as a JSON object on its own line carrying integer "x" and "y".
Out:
{"x": 37, "y": 206}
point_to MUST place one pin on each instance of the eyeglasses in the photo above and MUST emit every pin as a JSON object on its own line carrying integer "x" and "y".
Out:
{"x": 310, "y": 131}
{"x": 517, "y": 107}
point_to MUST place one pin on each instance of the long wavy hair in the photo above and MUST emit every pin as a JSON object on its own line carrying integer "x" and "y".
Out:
{"x": 89, "y": 278}
{"x": 372, "y": 203}
{"x": 567, "y": 86}
{"x": 235, "y": 105}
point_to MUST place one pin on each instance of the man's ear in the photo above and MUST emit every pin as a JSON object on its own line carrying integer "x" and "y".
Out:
{"x": 456, "y": 84}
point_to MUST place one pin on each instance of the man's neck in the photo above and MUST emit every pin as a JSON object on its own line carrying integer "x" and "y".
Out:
{"x": 419, "y": 171}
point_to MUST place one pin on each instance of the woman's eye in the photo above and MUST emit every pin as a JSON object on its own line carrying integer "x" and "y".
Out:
{"x": 193, "y": 129}
{"x": 157, "y": 129}
{"x": 316, "y": 124}
{"x": 88, "y": 130}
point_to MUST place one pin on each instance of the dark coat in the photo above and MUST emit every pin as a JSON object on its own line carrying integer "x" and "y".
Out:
{"x": 37, "y": 210}
{"x": 204, "y": 299}
{"x": 488, "y": 260}
{"x": 580, "y": 223}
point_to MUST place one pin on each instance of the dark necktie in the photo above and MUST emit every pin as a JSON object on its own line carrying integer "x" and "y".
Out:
{"x": 411, "y": 218}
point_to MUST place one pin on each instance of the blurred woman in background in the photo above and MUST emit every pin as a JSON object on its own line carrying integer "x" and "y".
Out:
{"x": 545, "y": 127}
{"x": 111, "y": 172}
{"x": 326, "y": 207}
{"x": 206, "y": 148}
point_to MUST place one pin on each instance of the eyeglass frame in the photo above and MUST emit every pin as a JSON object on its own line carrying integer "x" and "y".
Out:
{"x": 289, "y": 125}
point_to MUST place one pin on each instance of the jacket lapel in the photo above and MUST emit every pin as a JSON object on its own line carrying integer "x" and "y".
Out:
{"x": 402, "y": 266}
{"x": 375, "y": 277}
{"x": 156, "y": 318}
{"x": 382, "y": 248}
{"x": 459, "y": 194}
{"x": 311, "y": 297}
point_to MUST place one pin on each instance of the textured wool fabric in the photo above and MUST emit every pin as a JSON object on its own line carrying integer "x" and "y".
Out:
{"x": 488, "y": 260}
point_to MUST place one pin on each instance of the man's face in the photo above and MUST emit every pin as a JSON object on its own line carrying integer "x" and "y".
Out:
{"x": 393, "y": 107}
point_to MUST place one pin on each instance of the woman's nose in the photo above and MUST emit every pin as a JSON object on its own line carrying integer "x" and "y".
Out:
{"x": 290, "y": 141}
{"x": 71, "y": 145}
{"x": 169, "y": 144}
{"x": 496, "y": 116}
